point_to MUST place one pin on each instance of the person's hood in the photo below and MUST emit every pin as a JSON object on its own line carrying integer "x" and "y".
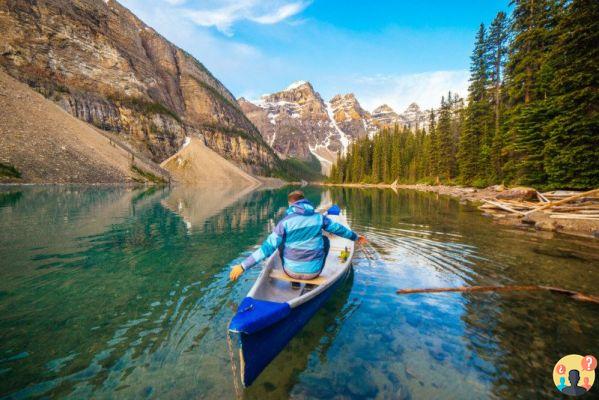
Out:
{"x": 301, "y": 207}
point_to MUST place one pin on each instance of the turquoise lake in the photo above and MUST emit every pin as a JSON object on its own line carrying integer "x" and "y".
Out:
{"x": 113, "y": 292}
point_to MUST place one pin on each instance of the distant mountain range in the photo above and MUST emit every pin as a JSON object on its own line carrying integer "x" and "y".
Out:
{"x": 297, "y": 122}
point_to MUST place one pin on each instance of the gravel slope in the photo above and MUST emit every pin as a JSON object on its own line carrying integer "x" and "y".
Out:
{"x": 48, "y": 145}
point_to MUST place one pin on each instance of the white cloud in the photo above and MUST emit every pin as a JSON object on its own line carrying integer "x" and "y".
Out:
{"x": 280, "y": 14}
{"x": 224, "y": 14}
{"x": 398, "y": 91}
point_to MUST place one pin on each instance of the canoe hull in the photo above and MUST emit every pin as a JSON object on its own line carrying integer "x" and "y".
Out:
{"x": 260, "y": 348}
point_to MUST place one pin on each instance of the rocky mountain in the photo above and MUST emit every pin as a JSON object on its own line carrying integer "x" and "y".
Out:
{"x": 412, "y": 118}
{"x": 103, "y": 65}
{"x": 350, "y": 117}
{"x": 386, "y": 116}
{"x": 296, "y": 122}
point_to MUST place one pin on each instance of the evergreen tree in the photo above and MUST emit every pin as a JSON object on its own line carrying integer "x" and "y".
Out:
{"x": 377, "y": 160}
{"x": 395, "y": 154}
{"x": 527, "y": 85}
{"x": 445, "y": 141}
{"x": 571, "y": 154}
{"x": 497, "y": 52}
{"x": 433, "y": 145}
{"x": 535, "y": 122}
{"x": 473, "y": 141}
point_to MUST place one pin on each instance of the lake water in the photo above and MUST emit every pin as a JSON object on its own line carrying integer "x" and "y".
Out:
{"x": 124, "y": 293}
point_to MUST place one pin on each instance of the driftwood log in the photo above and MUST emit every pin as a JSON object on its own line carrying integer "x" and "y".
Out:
{"x": 513, "y": 288}
{"x": 503, "y": 207}
{"x": 563, "y": 201}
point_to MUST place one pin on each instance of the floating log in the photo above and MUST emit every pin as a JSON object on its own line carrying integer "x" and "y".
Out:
{"x": 574, "y": 216}
{"x": 513, "y": 288}
{"x": 520, "y": 203}
{"x": 582, "y": 209}
{"x": 563, "y": 201}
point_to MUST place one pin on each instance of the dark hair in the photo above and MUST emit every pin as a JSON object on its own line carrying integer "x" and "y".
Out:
{"x": 295, "y": 196}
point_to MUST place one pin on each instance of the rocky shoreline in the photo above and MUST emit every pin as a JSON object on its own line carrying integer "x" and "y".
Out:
{"x": 538, "y": 220}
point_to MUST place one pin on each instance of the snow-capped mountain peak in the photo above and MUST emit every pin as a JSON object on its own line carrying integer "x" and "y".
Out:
{"x": 296, "y": 84}
{"x": 296, "y": 122}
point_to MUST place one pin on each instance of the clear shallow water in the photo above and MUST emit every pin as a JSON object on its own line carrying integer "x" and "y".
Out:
{"x": 122, "y": 293}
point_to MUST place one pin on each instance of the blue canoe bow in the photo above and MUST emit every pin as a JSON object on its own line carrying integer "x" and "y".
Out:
{"x": 272, "y": 313}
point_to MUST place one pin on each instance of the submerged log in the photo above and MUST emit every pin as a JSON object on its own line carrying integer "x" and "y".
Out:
{"x": 512, "y": 288}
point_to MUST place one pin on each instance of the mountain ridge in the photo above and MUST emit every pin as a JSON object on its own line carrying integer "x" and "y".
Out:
{"x": 104, "y": 65}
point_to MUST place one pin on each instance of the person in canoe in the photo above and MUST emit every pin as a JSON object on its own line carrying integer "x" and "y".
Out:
{"x": 299, "y": 238}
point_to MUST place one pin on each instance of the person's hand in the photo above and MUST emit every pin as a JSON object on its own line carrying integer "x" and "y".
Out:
{"x": 236, "y": 272}
{"x": 362, "y": 240}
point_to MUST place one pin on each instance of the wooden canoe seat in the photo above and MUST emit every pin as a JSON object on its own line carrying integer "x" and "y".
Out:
{"x": 282, "y": 276}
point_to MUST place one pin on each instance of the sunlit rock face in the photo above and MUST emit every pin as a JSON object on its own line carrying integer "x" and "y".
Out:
{"x": 293, "y": 121}
{"x": 350, "y": 117}
{"x": 297, "y": 122}
{"x": 105, "y": 66}
{"x": 385, "y": 116}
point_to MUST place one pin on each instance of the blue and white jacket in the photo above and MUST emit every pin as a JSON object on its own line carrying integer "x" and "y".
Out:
{"x": 300, "y": 233}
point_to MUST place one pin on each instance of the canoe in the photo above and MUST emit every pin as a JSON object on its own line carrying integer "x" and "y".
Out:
{"x": 273, "y": 312}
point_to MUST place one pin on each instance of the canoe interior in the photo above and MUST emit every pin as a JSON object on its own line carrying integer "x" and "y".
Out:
{"x": 267, "y": 288}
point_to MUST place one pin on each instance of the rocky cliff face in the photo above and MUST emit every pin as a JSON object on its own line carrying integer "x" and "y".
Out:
{"x": 105, "y": 66}
{"x": 294, "y": 121}
{"x": 350, "y": 117}
{"x": 298, "y": 123}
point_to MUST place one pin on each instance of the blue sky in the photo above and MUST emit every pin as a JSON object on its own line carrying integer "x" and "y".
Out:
{"x": 392, "y": 52}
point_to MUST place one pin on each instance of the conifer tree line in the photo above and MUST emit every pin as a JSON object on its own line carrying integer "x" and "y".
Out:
{"x": 531, "y": 116}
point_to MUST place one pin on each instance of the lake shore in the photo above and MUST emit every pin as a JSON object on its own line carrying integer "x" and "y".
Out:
{"x": 539, "y": 220}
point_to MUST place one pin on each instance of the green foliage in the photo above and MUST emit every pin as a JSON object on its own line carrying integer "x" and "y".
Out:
{"x": 9, "y": 171}
{"x": 146, "y": 176}
{"x": 293, "y": 169}
{"x": 571, "y": 150}
{"x": 532, "y": 115}
{"x": 145, "y": 107}
{"x": 476, "y": 135}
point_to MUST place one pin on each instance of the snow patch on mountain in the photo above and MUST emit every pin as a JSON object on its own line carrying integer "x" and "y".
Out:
{"x": 295, "y": 85}
{"x": 342, "y": 136}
